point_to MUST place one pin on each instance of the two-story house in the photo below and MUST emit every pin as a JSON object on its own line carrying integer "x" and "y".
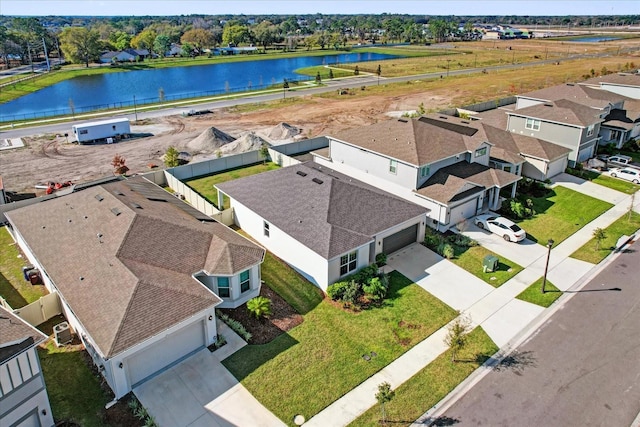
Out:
{"x": 432, "y": 161}
{"x": 138, "y": 272}
{"x": 625, "y": 84}
{"x": 23, "y": 393}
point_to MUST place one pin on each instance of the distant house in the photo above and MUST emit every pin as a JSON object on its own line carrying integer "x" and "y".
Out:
{"x": 431, "y": 161}
{"x": 324, "y": 224}
{"x": 139, "y": 273}
{"x": 109, "y": 57}
{"x": 625, "y": 84}
{"x": 23, "y": 393}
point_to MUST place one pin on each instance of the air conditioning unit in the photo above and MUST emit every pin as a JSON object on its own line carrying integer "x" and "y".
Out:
{"x": 62, "y": 334}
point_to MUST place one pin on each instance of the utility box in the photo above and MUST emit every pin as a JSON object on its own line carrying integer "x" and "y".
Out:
{"x": 490, "y": 263}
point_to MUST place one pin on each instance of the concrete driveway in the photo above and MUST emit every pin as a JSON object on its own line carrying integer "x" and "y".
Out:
{"x": 200, "y": 392}
{"x": 440, "y": 277}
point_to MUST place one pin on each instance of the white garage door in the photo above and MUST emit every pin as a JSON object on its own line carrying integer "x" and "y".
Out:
{"x": 157, "y": 356}
{"x": 557, "y": 167}
{"x": 400, "y": 239}
{"x": 464, "y": 211}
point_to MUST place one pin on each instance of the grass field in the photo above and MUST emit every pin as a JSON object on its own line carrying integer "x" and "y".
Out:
{"x": 625, "y": 225}
{"x": 321, "y": 359}
{"x": 561, "y": 214}
{"x": 431, "y": 384}
{"x": 534, "y": 295}
{"x": 471, "y": 260}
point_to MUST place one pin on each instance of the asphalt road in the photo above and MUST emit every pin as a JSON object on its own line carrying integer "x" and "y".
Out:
{"x": 581, "y": 368}
{"x": 329, "y": 85}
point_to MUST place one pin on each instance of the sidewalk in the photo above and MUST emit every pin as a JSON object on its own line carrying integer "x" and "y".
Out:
{"x": 501, "y": 315}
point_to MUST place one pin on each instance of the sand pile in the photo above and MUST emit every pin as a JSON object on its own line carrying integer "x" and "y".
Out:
{"x": 209, "y": 141}
{"x": 284, "y": 131}
{"x": 247, "y": 142}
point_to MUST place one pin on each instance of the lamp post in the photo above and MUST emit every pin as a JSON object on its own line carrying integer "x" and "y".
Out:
{"x": 135, "y": 110}
{"x": 546, "y": 267}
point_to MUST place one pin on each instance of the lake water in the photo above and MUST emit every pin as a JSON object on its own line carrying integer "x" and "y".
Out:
{"x": 595, "y": 39}
{"x": 87, "y": 93}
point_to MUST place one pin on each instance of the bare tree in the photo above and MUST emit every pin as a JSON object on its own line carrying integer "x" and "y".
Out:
{"x": 457, "y": 333}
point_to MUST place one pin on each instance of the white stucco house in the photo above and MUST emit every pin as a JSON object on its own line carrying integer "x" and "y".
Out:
{"x": 23, "y": 393}
{"x": 323, "y": 223}
{"x": 139, "y": 273}
{"x": 433, "y": 161}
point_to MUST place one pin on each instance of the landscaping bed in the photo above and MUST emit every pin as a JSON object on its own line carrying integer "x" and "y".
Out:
{"x": 263, "y": 330}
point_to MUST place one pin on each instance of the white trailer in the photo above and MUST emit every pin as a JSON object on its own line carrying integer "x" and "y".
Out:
{"x": 108, "y": 130}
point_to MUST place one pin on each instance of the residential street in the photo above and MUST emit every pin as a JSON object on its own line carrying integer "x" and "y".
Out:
{"x": 581, "y": 368}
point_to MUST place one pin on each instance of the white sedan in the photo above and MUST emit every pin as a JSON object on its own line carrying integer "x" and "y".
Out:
{"x": 501, "y": 226}
{"x": 629, "y": 174}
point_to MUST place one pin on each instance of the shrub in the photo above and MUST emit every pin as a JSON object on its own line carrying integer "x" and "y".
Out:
{"x": 375, "y": 290}
{"x": 446, "y": 250}
{"x": 381, "y": 259}
{"x": 461, "y": 240}
{"x": 259, "y": 306}
{"x": 432, "y": 239}
{"x": 235, "y": 326}
{"x": 352, "y": 293}
{"x": 336, "y": 290}
{"x": 365, "y": 274}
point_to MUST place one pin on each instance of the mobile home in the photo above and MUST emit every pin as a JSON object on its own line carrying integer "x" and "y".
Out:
{"x": 108, "y": 130}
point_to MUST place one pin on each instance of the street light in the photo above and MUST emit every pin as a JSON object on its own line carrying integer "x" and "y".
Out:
{"x": 135, "y": 110}
{"x": 546, "y": 267}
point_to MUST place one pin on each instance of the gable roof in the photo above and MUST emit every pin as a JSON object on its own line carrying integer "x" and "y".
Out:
{"x": 414, "y": 141}
{"x": 619, "y": 79}
{"x": 580, "y": 94}
{"x": 561, "y": 111}
{"x": 328, "y": 212}
{"x": 122, "y": 256}
{"x": 457, "y": 181}
{"x": 16, "y": 335}
{"x": 511, "y": 146}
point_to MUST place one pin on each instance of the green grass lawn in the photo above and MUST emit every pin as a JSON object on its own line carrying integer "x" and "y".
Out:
{"x": 13, "y": 288}
{"x": 471, "y": 260}
{"x": 286, "y": 282}
{"x": 204, "y": 185}
{"x": 431, "y": 384}
{"x": 560, "y": 214}
{"x": 622, "y": 226}
{"x": 74, "y": 391}
{"x": 623, "y": 186}
{"x": 534, "y": 295}
{"x": 304, "y": 370}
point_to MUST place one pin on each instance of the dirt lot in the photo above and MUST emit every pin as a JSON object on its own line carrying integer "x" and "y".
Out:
{"x": 51, "y": 158}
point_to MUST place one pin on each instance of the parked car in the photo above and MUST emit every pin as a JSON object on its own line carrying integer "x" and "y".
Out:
{"x": 629, "y": 174}
{"x": 501, "y": 226}
{"x": 622, "y": 161}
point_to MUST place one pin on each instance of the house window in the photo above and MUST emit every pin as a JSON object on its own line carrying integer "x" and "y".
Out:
{"x": 83, "y": 131}
{"x": 393, "y": 166}
{"x": 507, "y": 169}
{"x": 517, "y": 170}
{"x": 481, "y": 151}
{"x": 223, "y": 287}
{"x": 590, "y": 130}
{"x": 424, "y": 171}
{"x": 266, "y": 228}
{"x": 615, "y": 135}
{"x": 245, "y": 282}
{"x": 348, "y": 263}
{"x": 532, "y": 124}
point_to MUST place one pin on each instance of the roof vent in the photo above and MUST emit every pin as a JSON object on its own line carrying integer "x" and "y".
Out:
{"x": 548, "y": 105}
{"x": 443, "y": 117}
{"x": 464, "y": 121}
{"x": 403, "y": 120}
{"x": 317, "y": 181}
{"x": 136, "y": 206}
{"x": 99, "y": 197}
{"x": 570, "y": 84}
{"x": 119, "y": 193}
{"x": 115, "y": 211}
{"x": 301, "y": 173}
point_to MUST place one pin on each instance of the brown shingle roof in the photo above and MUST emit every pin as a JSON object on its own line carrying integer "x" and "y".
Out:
{"x": 414, "y": 141}
{"x": 123, "y": 254}
{"x": 580, "y": 94}
{"x": 461, "y": 179}
{"x": 508, "y": 145}
{"x": 16, "y": 335}
{"x": 622, "y": 79}
{"x": 561, "y": 111}
{"x": 330, "y": 218}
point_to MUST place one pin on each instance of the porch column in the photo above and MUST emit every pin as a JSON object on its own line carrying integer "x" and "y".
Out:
{"x": 495, "y": 203}
{"x": 513, "y": 189}
{"x": 220, "y": 201}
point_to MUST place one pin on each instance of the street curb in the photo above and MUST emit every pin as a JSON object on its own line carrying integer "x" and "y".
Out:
{"x": 437, "y": 410}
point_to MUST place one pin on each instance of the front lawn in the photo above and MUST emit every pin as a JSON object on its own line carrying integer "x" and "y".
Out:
{"x": 431, "y": 384}
{"x": 303, "y": 371}
{"x": 534, "y": 295}
{"x": 622, "y": 226}
{"x": 471, "y": 260}
{"x": 560, "y": 214}
{"x": 204, "y": 185}
{"x": 606, "y": 181}
{"x": 13, "y": 288}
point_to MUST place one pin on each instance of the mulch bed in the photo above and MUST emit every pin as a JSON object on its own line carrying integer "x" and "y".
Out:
{"x": 283, "y": 318}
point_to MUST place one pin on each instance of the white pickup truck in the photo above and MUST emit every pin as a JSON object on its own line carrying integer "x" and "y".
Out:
{"x": 621, "y": 161}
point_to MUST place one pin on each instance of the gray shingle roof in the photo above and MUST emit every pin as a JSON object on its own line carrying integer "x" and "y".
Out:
{"x": 508, "y": 145}
{"x": 16, "y": 335}
{"x": 414, "y": 141}
{"x": 561, "y": 111}
{"x": 123, "y": 254}
{"x": 580, "y": 94}
{"x": 622, "y": 79}
{"x": 330, "y": 218}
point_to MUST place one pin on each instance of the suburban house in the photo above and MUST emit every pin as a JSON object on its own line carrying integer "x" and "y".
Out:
{"x": 574, "y": 116}
{"x": 23, "y": 393}
{"x": 127, "y": 55}
{"x": 138, "y": 272}
{"x": 324, "y": 224}
{"x": 432, "y": 161}
{"x": 625, "y": 84}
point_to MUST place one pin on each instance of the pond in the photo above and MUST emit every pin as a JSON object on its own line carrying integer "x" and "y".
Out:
{"x": 122, "y": 89}
{"x": 594, "y": 39}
